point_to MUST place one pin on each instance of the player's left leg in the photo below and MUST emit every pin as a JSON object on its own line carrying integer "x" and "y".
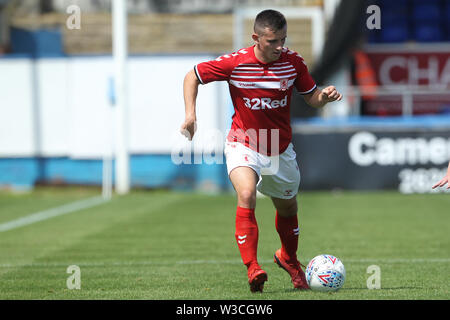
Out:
{"x": 282, "y": 186}
{"x": 286, "y": 224}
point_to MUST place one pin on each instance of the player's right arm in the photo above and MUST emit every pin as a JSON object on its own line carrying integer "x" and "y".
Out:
{"x": 203, "y": 73}
{"x": 190, "y": 90}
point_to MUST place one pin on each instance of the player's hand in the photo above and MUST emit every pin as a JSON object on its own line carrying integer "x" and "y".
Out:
{"x": 330, "y": 94}
{"x": 442, "y": 183}
{"x": 444, "y": 180}
{"x": 188, "y": 128}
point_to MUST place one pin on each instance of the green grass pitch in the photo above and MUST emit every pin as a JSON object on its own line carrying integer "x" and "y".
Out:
{"x": 174, "y": 245}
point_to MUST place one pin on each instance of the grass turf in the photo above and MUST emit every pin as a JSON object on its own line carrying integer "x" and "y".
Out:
{"x": 168, "y": 245}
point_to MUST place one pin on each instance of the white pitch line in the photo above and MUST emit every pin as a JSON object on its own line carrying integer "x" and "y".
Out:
{"x": 196, "y": 262}
{"x": 50, "y": 213}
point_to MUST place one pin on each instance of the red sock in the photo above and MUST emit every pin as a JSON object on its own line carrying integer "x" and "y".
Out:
{"x": 287, "y": 228}
{"x": 247, "y": 235}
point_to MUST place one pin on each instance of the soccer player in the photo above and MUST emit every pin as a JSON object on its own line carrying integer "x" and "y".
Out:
{"x": 258, "y": 150}
{"x": 444, "y": 180}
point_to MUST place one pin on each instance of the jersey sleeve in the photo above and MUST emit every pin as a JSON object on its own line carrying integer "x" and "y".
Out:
{"x": 215, "y": 70}
{"x": 304, "y": 83}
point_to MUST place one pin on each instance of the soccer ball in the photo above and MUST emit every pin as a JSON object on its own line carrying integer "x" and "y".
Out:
{"x": 325, "y": 273}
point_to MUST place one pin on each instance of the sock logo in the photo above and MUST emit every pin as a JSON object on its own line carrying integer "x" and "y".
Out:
{"x": 241, "y": 239}
{"x": 296, "y": 231}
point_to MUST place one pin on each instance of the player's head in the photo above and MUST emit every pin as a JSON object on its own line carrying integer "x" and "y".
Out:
{"x": 270, "y": 31}
{"x": 271, "y": 19}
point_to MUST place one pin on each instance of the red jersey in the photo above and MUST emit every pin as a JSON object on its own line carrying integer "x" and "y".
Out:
{"x": 261, "y": 95}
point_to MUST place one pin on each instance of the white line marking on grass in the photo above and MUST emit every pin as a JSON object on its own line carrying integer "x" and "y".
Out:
{"x": 196, "y": 262}
{"x": 50, "y": 213}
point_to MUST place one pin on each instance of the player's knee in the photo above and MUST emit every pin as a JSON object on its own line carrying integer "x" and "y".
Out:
{"x": 288, "y": 208}
{"x": 247, "y": 197}
{"x": 293, "y": 208}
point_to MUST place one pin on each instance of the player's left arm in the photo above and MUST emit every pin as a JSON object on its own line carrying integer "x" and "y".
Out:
{"x": 444, "y": 180}
{"x": 304, "y": 83}
{"x": 320, "y": 97}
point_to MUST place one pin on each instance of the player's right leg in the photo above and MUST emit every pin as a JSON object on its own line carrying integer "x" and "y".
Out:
{"x": 244, "y": 180}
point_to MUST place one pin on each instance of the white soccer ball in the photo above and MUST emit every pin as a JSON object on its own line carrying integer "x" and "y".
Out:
{"x": 325, "y": 273}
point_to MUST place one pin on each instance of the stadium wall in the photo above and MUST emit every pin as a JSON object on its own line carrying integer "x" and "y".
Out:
{"x": 56, "y": 126}
{"x": 408, "y": 154}
{"x": 56, "y": 122}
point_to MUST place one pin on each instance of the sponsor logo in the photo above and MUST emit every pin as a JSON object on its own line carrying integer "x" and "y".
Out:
{"x": 366, "y": 149}
{"x": 264, "y": 103}
{"x": 247, "y": 84}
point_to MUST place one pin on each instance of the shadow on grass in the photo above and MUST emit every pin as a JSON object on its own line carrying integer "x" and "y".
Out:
{"x": 396, "y": 288}
{"x": 296, "y": 291}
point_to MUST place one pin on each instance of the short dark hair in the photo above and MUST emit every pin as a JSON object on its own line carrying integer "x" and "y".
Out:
{"x": 271, "y": 19}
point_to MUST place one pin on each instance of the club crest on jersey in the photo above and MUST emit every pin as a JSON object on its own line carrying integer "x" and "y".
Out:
{"x": 284, "y": 84}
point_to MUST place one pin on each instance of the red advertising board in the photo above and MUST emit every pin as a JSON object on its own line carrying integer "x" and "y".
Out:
{"x": 427, "y": 68}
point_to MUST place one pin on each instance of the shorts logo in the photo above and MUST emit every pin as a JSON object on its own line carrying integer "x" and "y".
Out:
{"x": 284, "y": 84}
{"x": 246, "y": 158}
{"x": 288, "y": 192}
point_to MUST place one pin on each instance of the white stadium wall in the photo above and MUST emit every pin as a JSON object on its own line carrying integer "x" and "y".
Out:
{"x": 69, "y": 112}
{"x": 57, "y": 122}
{"x": 16, "y": 108}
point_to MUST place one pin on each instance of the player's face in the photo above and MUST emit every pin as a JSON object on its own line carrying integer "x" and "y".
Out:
{"x": 270, "y": 43}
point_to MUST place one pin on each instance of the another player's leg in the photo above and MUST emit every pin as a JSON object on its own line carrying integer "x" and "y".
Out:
{"x": 286, "y": 223}
{"x": 244, "y": 180}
